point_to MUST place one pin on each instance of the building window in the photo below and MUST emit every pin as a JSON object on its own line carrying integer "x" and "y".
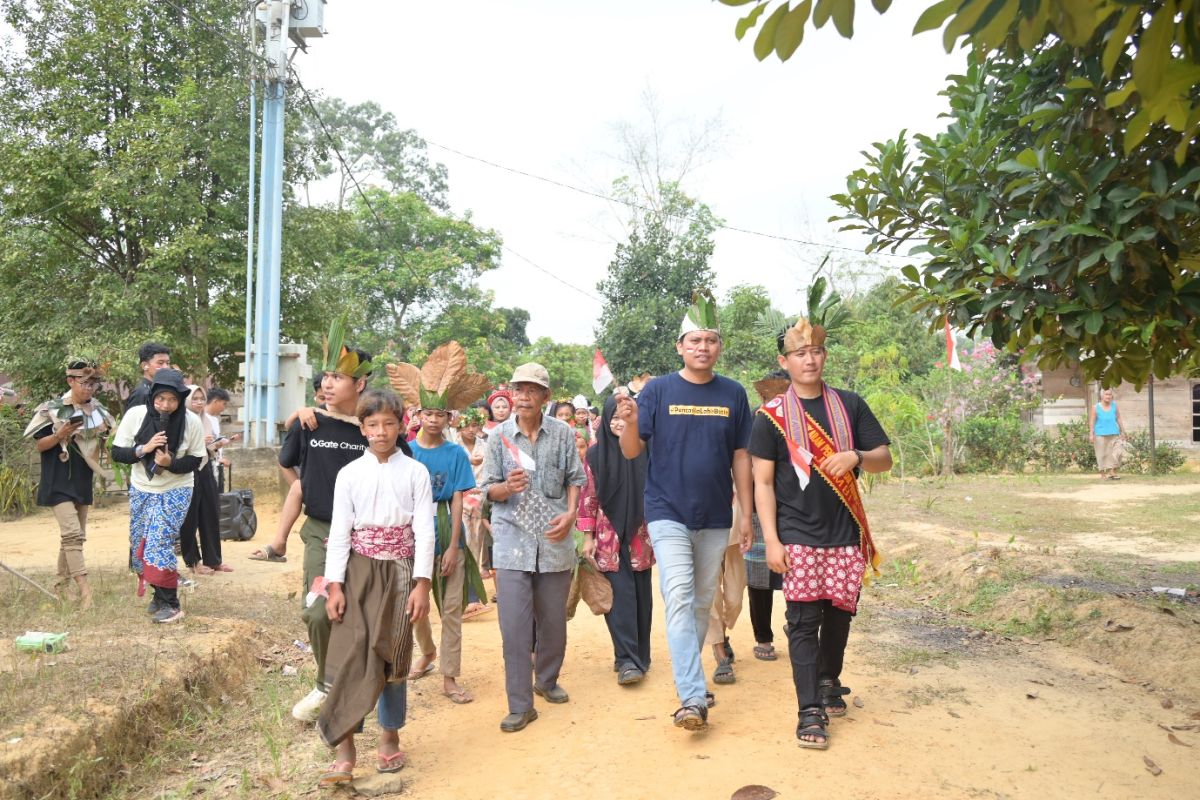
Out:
{"x": 1196, "y": 413}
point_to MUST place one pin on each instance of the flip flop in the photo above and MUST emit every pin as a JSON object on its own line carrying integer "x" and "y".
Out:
{"x": 416, "y": 675}
{"x": 223, "y": 568}
{"x": 201, "y": 569}
{"x": 388, "y": 764}
{"x": 480, "y": 608}
{"x": 267, "y": 553}
{"x": 460, "y": 697}
{"x": 338, "y": 772}
{"x": 765, "y": 652}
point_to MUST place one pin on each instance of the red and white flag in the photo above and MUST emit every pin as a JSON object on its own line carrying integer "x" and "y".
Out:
{"x": 601, "y": 375}
{"x": 801, "y": 462}
{"x": 951, "y": 349}
{"x": 523, "y": 459}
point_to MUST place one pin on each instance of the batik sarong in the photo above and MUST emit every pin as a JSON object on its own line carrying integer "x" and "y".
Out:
{"x": 154, "y": 522}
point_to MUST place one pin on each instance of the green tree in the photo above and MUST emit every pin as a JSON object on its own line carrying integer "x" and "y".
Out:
{"x": 1164, "y": 34}
{"x": 373, "y": 146}
{"x": 747, "y": 354}
{"x": 649, "y": 286}
{"x": 569, "y": 365}
{"x": 1041, "y": 233}
{"x": 122, "y": 193}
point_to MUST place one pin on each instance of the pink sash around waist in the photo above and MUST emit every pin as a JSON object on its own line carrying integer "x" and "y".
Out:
{"x": 384, "y": 544}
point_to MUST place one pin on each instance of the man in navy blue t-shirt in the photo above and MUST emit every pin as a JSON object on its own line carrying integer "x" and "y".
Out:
{"x": 696, "y": 425}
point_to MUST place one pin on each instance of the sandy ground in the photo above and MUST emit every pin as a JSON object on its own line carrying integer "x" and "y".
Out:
{"x": 999, "y": 719}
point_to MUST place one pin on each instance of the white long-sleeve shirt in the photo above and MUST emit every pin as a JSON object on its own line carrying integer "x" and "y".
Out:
{"x": 368, "y": 494}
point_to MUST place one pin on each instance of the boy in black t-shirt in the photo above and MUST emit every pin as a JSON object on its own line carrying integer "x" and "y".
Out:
{"x": 320, "y": 454}
{"x": 808, "y": 446}
{"x": 70, "y": 433}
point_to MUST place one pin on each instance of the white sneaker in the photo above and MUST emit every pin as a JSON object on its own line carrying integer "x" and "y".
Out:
{"x": 309, "y": 707}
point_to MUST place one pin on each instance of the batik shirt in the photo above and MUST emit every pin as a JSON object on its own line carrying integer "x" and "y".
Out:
{"x": 557, "y": 467}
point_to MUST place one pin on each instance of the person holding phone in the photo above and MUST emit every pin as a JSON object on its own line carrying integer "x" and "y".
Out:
{"x": 69, "y": 433}
{"x": 218, "y": 398}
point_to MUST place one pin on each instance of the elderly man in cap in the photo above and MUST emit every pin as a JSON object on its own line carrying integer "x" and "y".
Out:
{"x": 532, "y": 475}
{"x": 70, "y": 433}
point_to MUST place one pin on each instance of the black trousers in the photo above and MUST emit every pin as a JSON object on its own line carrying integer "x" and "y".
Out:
{"x": 817, "y": 634}
{"x": 631, "y": 614}
{"x": 166, "y": 597}
{"x": 204, "y": 516}
{"x": 761, "y": 605}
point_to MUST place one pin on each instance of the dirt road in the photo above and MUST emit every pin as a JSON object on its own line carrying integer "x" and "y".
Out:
{"x": 938, "y": 710}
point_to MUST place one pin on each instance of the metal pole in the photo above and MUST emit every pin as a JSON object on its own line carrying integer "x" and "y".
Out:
{"x": 248, "y": 398}
{"x": 265, "y": 208}
{"x": 275, "y": 259}
{"x": 1153, "y": 446}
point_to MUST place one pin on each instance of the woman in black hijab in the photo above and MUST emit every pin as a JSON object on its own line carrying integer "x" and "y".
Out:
{"x": 613, "y": 520}
{"x": 165, "y": 445}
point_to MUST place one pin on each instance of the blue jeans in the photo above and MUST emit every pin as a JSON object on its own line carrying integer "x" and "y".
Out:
{"x": 392, "y": 709}
{"x": 689, "y": 565}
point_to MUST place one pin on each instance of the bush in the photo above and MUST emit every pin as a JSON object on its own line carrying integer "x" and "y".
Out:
{"x": 19, "y": 470}
{"x": 1068, "y": 447}
{"x": 995, "y": 444}
{"x": 1136, "y": 458}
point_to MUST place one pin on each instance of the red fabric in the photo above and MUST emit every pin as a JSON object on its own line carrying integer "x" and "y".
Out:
{"x": 386, "y": 544}
{"x": 592, "y": 519}
{"x": 824, "y": 573}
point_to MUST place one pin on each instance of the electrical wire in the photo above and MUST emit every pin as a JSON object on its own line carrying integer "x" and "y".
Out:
{"x": 640, "y": 207}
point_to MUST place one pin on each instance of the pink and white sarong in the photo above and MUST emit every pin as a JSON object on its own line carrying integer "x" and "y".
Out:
{"x": 825, "y": 573}
{"x": 384, "y": 544}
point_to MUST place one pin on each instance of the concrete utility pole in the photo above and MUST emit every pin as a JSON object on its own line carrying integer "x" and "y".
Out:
{"x": 270, "y": 224}
{"x": 282, "y": 21}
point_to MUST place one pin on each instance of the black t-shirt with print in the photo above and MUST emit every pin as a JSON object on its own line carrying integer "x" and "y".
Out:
{"x": 816, "y": 516}
{"x": 321, "y": 454}
{"x": 63, "y": 481}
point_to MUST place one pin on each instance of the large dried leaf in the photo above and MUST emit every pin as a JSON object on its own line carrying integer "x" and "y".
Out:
{"x": 467, "y": 390}
{"x": 406, "y": 380}
{"x": 444, "y": 367}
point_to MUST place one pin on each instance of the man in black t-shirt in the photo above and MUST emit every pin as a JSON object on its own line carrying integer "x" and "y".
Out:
{"x": 320, "y": 453}
{"x": 807, "y": 447}
{"x": 70, "y": 433}
{"x": 152, "y": 356}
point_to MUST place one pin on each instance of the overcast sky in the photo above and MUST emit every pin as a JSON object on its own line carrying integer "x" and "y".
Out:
{"x": 540, "y": 87}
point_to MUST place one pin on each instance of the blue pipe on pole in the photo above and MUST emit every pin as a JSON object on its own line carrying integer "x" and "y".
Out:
{"x": 266, "y": 211}
{"x": 275, "y": 265}
{"x": 248, "y": 398}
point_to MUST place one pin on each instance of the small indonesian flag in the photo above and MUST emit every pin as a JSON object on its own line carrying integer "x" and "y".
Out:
{"x": 951, "y": 349}
{"x": 523, "y": 459}
{"x": 601, "y": 375}
{"x": 801, "y": 462}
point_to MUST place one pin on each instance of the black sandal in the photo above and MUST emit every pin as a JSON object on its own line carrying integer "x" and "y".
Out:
{"x": 832, "y": 692}
{"x": 813, "y": 722}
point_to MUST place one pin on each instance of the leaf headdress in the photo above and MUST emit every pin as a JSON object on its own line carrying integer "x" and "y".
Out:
{"x": 341, "y": 359}
{"x": 444, "y": 382}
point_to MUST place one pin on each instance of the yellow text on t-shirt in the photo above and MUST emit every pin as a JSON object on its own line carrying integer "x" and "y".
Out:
{"x": 698, "y": 411}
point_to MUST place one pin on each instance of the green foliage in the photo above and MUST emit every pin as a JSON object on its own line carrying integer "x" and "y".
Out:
{"x": 1163, "y": 34}
{"x": 1067, "y": 447}
{"x": 995, "y": 444}
{"x": 124, "y": 205}
{"x": 569, "y": 365}
{"x": 373, "y": 147}
{"x": 650, "y": 283}
{"x": 1136, "y": 456}
{"x": 747, "y": 354}
{"x": 1040, "y": 232}
{"x": 19, "y": 470}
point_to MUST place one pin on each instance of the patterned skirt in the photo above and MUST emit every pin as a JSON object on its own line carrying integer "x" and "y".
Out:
{"x": 154, "y": 522}
{"x": 825, "y": 573}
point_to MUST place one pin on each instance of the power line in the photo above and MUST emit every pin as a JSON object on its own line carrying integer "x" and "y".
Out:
{"x": 358, "y": 188}
{"x": 583, "y": 292}
{"x": 640, "y": 207}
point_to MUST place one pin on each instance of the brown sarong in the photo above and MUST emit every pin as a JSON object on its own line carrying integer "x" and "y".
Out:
{"x": 371, "y": 646}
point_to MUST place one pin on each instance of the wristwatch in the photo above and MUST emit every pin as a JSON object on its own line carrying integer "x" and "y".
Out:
{"x": 858, "y": 453}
